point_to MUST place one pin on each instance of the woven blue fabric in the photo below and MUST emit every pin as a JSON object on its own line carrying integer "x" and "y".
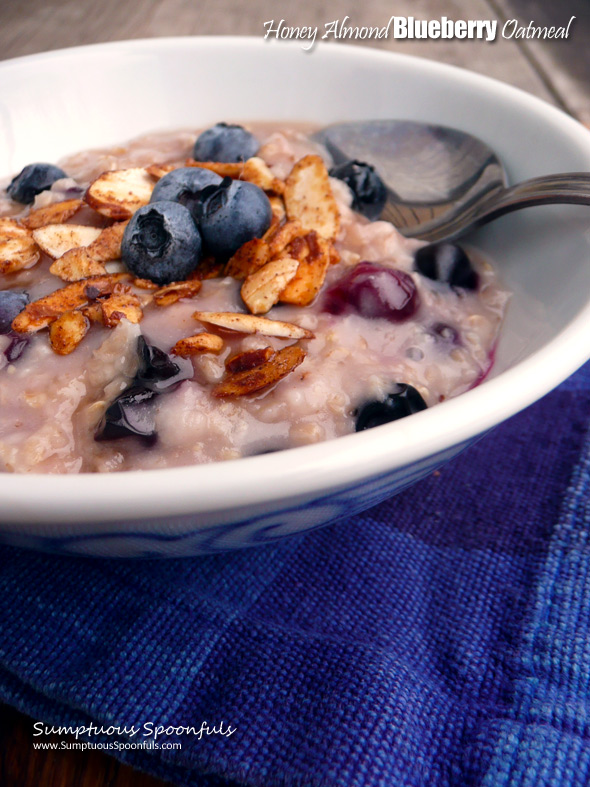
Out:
{"x": 441, "y": 638}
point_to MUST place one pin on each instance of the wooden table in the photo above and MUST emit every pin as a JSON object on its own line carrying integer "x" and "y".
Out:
{"x": 556, "y": 71}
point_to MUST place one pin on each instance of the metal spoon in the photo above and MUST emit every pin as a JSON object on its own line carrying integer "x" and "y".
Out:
{"x": 443, "y": 182}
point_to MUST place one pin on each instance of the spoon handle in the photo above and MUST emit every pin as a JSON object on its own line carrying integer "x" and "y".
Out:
{"x": 567, "y": 187}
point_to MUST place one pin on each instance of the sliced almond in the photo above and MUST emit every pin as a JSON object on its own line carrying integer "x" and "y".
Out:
{"x": 145, "y": 284}
{"x": 278, "y": 238}
{"x": 279, "y": 213}
{"x": 248, "y": 359}
{"x": 158, "y": 171}
{"x": 260, "y": 377}
{"x": 261, "y": 290}
{"x": 39, "y": 314}
{"x": 76, "y": 264}
{"x": 248, "y": 323}
{"x": 256, "y": 171}
{"x": 18, "y": 250}
{"x": 56, "y": 239}
{"x": 313, "y": 253}
{"x": 66, "y": 333}
{"x": 248, "y": 259}
{"x": 119, "y": 193}
{"x": 93, "y": 311}
{"x": 107, "y": 246}
{"x": 309, "y": 199}
{"x": 171, "y": 293}
{"x": 221, "y": 168}
{"x": 198, "y": 344}
{"x": 121, "y": 305}
{"x": 56, "y": 213}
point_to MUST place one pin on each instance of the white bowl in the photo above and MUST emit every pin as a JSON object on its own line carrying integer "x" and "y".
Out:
{"x": 54, "y": 104}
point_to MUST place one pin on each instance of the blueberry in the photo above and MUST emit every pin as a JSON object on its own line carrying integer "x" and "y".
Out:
{"x": 232, "y": 214}
{"x": 33, "y": 179}
{"x": 12, "y": 302}
{"x": 404, "y": 400}
{"x": 185, "y": 185}
{"x": 161, "y": 243}
{"x": 131, "y": 414}
{"x": 226, "y": 143}
{"x": 447, "y": 262}
{"x": 157, "y": 371}
{"x": 369, "y": 193}
{"x": 373, "y": 291}
{"x": 18, "y": 344}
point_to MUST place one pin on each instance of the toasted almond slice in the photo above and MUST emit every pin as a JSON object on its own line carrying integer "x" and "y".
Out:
{"x": 261, "y": 290}
{"x": 221, "y": 168}
{"x": 309, "y": 199}
{"x": 248, "y": 259}
{"x": 334, "y": 255}
{"x": 278, "y": 211}
{"x": 248, "y": 323}
{"x": 93, "y": 311}
{"x": 18, "y": 250}
{"x": 76, "y": 264}
{"x": 121, "y": 305}
{"x": 12, "y": 228}
{"x": 56, "y": 239}
{"x": 172, "y": 293}
{"x": 107, "y": 246}
{"x": 198, "y": 344}
{"x": 208, "y": 268}
{"x": 278, "y": 238}
{"x": 56, "y": 213}
{"x": 66, "y": 333}
{"x": 256, "y": 171}
{"x": 260, "y": 377}
{"x": 158, "y": 171}
{"x": 248, "y": 359}
{"x": 40, "y": 313}
{"x": 145, "y": 284}
{"x": 313, "y": 253}
{"x": 119, "y": 193}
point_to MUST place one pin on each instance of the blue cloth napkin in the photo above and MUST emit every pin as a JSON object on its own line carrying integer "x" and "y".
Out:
{"x": 441, "y": 638}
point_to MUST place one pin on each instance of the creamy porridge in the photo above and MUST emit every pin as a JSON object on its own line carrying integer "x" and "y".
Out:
{"x": 293, "y": 321}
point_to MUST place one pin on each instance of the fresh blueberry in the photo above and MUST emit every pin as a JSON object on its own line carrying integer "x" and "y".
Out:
{"x": 404, "y": 400}
{"x": 33, "y": 179}
{"x": 369, "y": 193}
{"x": 131, "y": 414}
{"x": 18, "y": 344}
{"x": 185, "y": 185}
{"x": 373, "y": 291}
{"x": 12, "y": 302}
{"x": 231, "y": 214}
{"x": 225, "y": 142}
{"x": 447, "y": 262}
{"x": 161, "y": 243}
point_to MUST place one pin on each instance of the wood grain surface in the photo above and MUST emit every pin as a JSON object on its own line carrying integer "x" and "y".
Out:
{"x": 556, "y": 71}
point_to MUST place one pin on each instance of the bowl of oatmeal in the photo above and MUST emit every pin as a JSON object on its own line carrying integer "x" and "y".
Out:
{"x": 191, "y": 368}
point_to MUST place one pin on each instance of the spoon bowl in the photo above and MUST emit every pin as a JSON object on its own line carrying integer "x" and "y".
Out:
{"x": 442, "y": 182}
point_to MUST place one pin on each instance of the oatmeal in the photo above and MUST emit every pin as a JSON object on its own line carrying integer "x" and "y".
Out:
{"x": 157, "y": 310}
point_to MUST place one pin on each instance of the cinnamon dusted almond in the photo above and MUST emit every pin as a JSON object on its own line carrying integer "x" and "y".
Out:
{"x": 39, "y": 314}
{"x": 260, "y": 377}
{"x": 256, "y": 171}
{"x": 198, "y": 344}
{"x": 313, "y": 254}
{"x": 158, "y": 171}
{"x": 56, "y": 213}
{"x": 171, "y": 293}
{"x": 18, "y": 250}
{"x": 277, "y": 207}
{"x": 221, "y": 168}
{"x": 248, "y": 323}
{"x": 278, "y": 238}
{"x": 145, "y": 284}
{"x": 248, "y": 359}
{"x": 119, "y": 193}
{"x": 122, "y": 304}
{"x": 261, "y": 290}
{"x": 309, "y": 199}
{"x": 248, "y": 259}
{"x": 56, "y": 239}
{"x": 107, "y": 246}
{"x": 67, "y": 331}
{"x": 76, "y": 264}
